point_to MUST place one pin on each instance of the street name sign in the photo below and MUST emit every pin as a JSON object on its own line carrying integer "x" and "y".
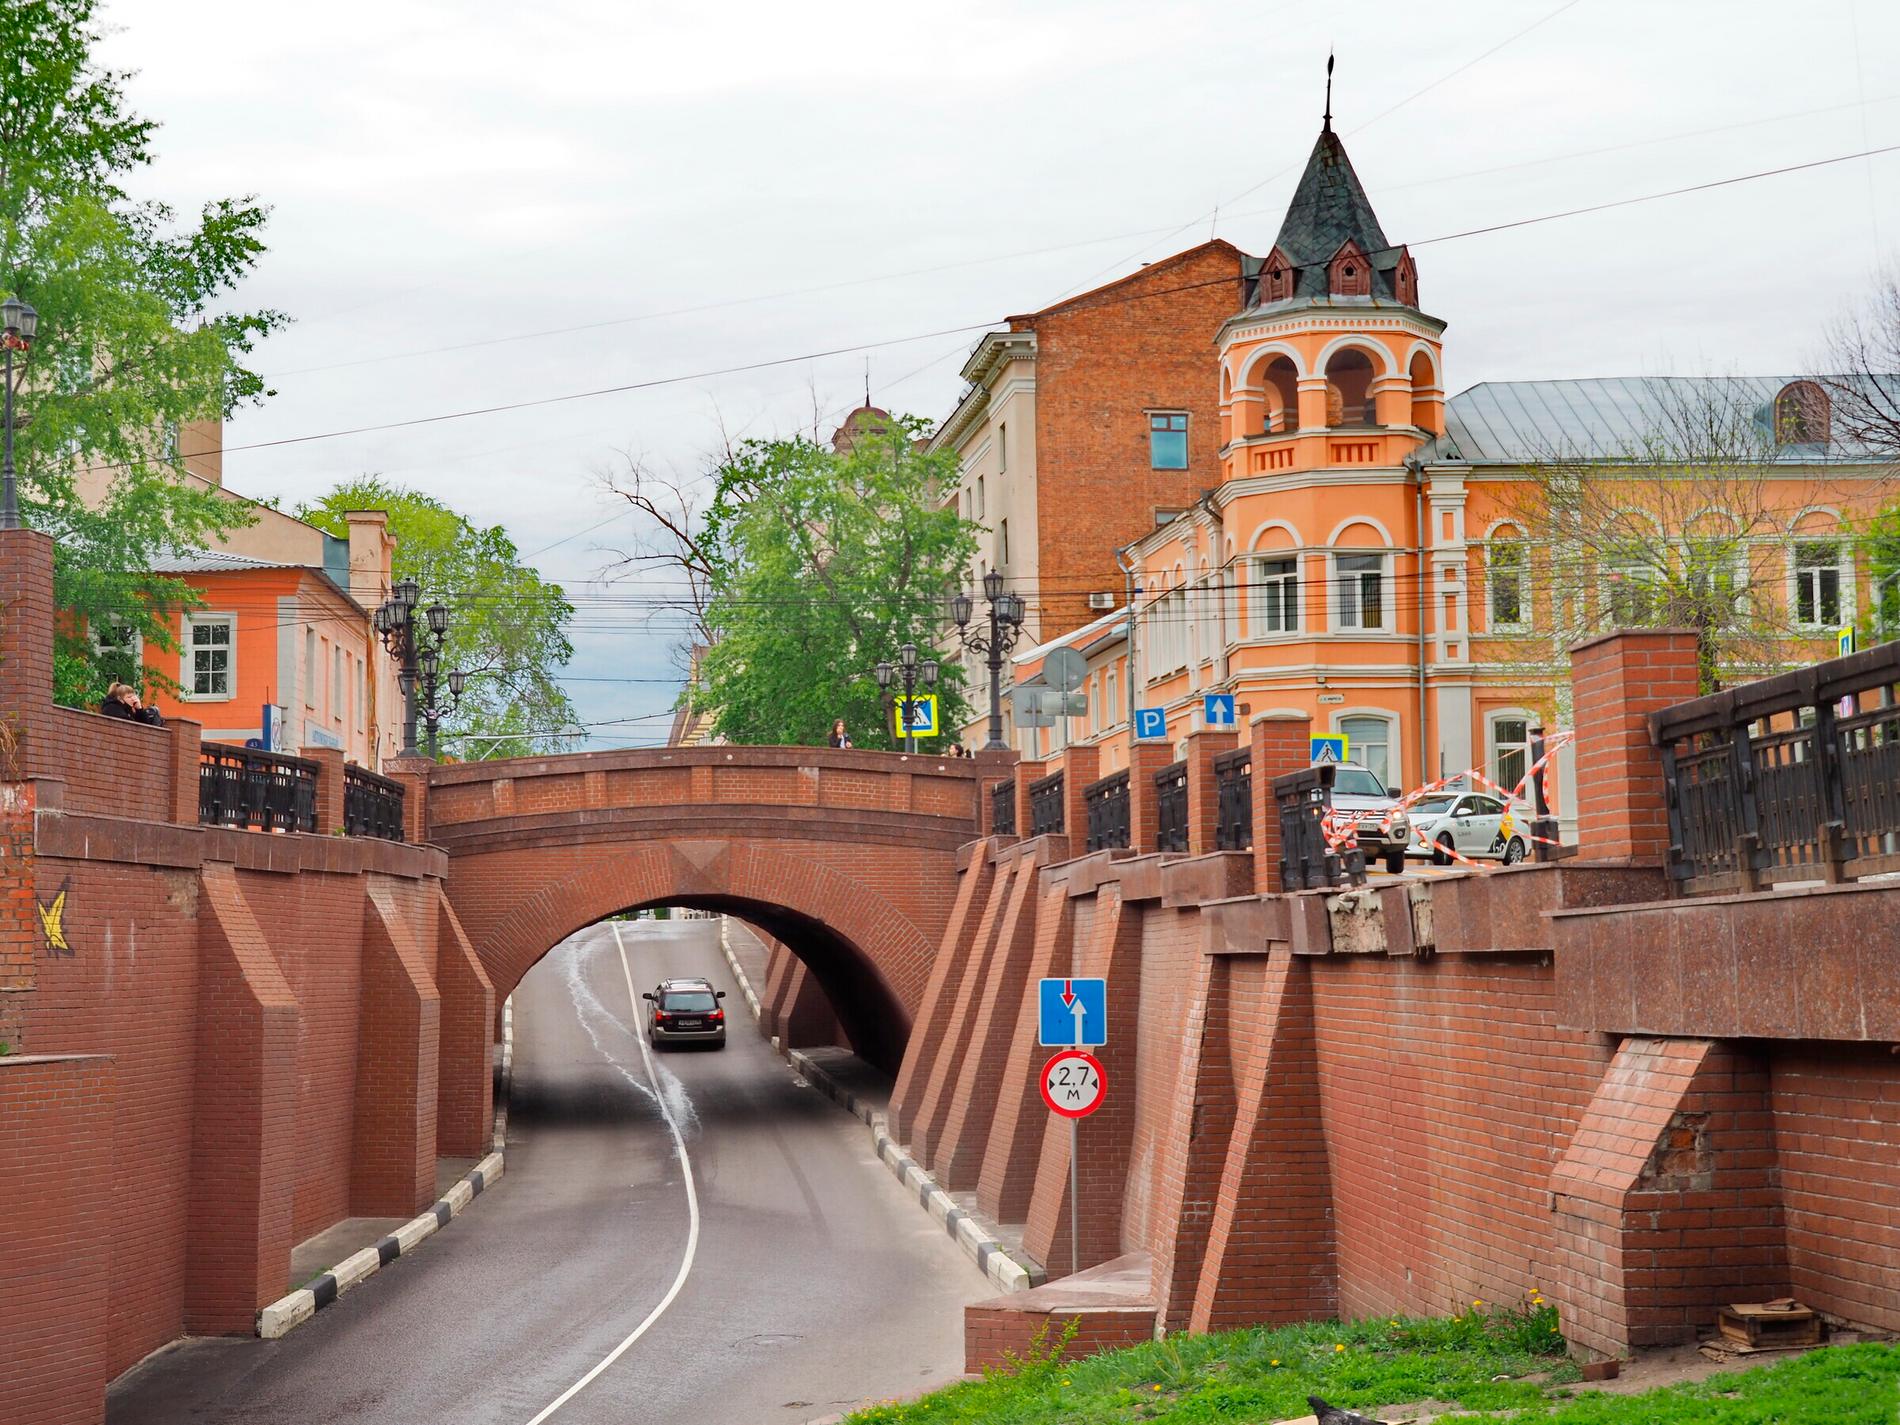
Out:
{"x": 1217, "y": 710}
{"x": 1072, "y": 1012}
{"x": 1073, "y": 1084}
{"x": 1151, "y": 724}
{"x": 1331, "y": 748}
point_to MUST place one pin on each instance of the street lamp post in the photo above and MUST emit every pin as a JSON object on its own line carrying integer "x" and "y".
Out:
{"x": 18, "y": 323}
{"x": 912, "y": 670}
{"x": 417, "y": 649}
{"x": 1006, "y": 622}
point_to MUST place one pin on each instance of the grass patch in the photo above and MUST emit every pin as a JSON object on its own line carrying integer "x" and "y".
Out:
{"x": 1498, "y": 1364}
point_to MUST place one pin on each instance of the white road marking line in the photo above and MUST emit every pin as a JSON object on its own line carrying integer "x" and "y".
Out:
{"x": 692, "y": 1201}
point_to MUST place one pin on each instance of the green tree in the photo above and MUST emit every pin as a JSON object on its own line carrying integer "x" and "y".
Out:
{"x": 133, "y": 337}
{"x": 822, "y": 564}
{"x": 507, "y": 625}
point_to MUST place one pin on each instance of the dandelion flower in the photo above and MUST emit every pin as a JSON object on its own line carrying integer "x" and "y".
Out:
{"x": 1338, "y": 1347}
{"x": 1274, "y": 1362}
{"x": 1157, "y": 1390}
{"x": 1476, "y": 1304}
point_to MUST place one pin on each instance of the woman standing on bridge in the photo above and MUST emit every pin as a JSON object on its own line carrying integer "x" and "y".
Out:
{"x": 839, "y": 737}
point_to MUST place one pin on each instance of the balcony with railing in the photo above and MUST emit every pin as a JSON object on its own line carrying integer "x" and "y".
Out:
{"x": 1793, "y": 778}
{"x": 1045, "y": 805}
{"x": 1233, "y": 800}
{"x": 1107, "y": 802}
{"x": 253, "y": 790}
{"x": 372, "y": 805}
{"x": 1003, "y": 808}
{"x": 1171, "y": 808}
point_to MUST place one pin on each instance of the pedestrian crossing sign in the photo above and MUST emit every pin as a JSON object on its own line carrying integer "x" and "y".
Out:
{"x": 914, "y": 717}
{"x": 1330, "y": 748}
{"x": 1844, "y": 641}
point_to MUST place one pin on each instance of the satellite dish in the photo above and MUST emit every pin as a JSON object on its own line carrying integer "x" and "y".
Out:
{"x": 1064, "y": 669}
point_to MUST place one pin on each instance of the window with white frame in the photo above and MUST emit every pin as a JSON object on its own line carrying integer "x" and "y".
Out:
{"x": 1510, "y": 750}
{"x": 210, "y": 657}
{"x": 1002, "y": 449}
{"x": 1359, "y": 591}
{"x": 1507, "y": 584}
{"x": 1111, "y": 705}
{"x": 1716, "y": 570}
{"x": 979, "y": 497}
{"x": 339, "y": 682}
{"x": 1276, "y": 596}
{"x": 1818, "y": 581}
{"x": 310, "y": 668}
{"x": 1369, "y": 743}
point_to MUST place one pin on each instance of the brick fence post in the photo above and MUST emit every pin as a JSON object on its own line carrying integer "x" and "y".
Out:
{"x": 1281, "y": 744}
{"x": 1081, "y": 766}
{"x": 1144, "y": 823}
{"x": 1618, "y": 679}
{"x": 329, "y": 762}
{"x": 1026, "y": 772}
{"x": 1203, "y": 797}
{"x": 187, "y": 751}
{"x": 26, "y": 647}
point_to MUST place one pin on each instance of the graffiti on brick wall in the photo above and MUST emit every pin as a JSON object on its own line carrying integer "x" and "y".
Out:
{"x": 53, "y": 923}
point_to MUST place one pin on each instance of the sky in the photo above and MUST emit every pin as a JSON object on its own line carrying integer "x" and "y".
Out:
{"x": 475, "y": 204}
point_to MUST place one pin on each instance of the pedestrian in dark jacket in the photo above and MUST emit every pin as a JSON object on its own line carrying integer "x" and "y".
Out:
{"x": 123, "y": 701}
{"x": 839, "y": 737}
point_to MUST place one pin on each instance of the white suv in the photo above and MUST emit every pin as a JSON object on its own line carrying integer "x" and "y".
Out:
{"x": 1384, "y": 831}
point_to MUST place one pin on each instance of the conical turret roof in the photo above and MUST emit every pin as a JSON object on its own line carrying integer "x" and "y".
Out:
{"x": 1330, "y": 209}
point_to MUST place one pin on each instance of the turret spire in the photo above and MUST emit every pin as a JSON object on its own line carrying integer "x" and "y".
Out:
{"x": 1326, "y": 125}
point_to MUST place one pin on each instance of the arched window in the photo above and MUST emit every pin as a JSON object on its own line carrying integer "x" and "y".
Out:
{"x": 1424, "y": 407}
{"x": 1349, "y": 389}
{"x": 1369, "y": 743}
{"x": 1280, "y": 388}
{"x": 1802, "y": 416}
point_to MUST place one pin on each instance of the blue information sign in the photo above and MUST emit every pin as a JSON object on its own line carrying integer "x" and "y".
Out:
{"x": 1217, "y": 710}
{"x": 1073, "y": 1012}
{"x": 1151, "y": 724}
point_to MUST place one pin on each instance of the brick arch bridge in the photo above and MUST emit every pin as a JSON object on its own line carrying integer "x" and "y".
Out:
{"x": 848, "y": 858}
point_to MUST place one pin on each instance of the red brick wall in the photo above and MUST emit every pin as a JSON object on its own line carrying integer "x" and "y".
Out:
{"x": 1836, "y": 1123}
{"x": 1619, "y": 679}
{"x": 55, "y": 1236}
{"x": 1102, "y": 361}
{"x": 1447, "y": 1095}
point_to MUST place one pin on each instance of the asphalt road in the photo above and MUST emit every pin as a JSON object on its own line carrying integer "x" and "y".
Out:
{"x": 816, "y": 1282}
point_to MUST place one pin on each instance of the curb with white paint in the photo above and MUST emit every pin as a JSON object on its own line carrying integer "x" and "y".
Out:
{"x": 300, "y": 1305}
{"x": 1005, "y": 1271}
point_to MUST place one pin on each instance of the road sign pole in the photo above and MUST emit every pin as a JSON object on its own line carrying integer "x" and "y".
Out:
{"x": 1075, "y": 1197}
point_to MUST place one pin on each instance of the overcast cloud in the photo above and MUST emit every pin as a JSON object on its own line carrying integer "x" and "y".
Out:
{"x": 460, "y": 175}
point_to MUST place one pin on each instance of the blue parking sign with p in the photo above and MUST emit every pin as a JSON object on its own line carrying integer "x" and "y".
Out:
{"x": 1151, "y": 723}
{"x": 1071, "y": 1012}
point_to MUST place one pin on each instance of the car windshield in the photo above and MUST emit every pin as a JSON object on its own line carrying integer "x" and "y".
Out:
{"x": 1432, "y": 806}
{"x": 1356, "y": 782}
{"x": 687, "y": 1001}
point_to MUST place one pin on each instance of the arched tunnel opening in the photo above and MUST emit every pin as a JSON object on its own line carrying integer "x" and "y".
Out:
{"x": 870, "y": 1016}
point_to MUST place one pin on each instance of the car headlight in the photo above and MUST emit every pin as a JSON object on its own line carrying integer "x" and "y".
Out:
{"x": 1400, "y": 822}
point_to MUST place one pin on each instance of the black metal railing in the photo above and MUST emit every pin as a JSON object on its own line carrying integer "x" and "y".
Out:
{"x": 1795, "y": 777}
{"x": 1308, "y": 861}
{"x": 1003, "y": 808}
{"x": 1108, "y": 811}
{"x": 372, "y": 805}
{"x": 1233, "y": 803}
{"x": 1171, "y": 812}
{"x": 1045, "y": 805}
{"x": 261, "y": 791}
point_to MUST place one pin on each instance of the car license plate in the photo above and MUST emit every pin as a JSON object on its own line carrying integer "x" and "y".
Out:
{"x": 691, "y": 1024}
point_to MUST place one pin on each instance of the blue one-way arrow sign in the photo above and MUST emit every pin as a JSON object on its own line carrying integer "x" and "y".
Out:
{"x": 1073, "y": 1012}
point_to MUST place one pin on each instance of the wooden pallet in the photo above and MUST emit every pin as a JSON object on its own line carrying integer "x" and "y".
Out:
{"x": 1764, "y": 1325}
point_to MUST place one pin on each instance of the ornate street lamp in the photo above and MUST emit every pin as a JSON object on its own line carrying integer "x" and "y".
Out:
{"x": 1006, "y": 621}
{"x": 18, "y": 323}
{"x": 416, "y": 645}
